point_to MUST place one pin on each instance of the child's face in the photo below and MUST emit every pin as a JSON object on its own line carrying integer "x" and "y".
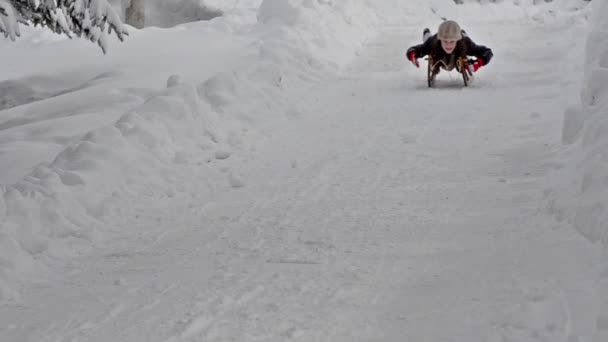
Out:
{"x": 448, "y": 46}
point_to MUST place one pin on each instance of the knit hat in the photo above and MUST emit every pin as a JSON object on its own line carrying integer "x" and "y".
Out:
{"x": 449, "y": 30}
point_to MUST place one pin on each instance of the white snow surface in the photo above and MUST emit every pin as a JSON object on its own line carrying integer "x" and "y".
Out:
{"x": 585, "y": 127}
{"x": 280, "y": 173}
{"x": 579, "y": 192}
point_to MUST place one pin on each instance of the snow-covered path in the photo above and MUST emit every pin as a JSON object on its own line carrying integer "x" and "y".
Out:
{"x": 382, "y": 211}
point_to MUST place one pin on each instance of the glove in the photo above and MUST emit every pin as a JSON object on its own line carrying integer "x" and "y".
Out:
{"x": 412, "y": 58}
{"x": 476, "y": 65}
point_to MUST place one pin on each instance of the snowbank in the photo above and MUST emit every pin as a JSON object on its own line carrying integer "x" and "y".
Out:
{"x": 65, "y": 206}
{"x": 300, "y": 41}
{"x": 580, "y": 191}
{"x": 592, "y": 213}
{"x": 586, "y": 130}
{"x": 61, "y": 207}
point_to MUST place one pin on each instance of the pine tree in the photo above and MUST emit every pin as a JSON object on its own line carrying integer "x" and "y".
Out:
{"x": 82, "y": 18}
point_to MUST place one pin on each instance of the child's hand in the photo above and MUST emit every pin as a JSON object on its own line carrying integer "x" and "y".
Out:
{"x": 478, "y": 64}
{"x": 412, "y": 58}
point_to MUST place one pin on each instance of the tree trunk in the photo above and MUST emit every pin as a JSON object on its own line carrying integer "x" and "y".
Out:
{"x": 135, "y": 13}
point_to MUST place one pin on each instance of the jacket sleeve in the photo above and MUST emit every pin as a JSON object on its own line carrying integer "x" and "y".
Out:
{"x": 421, "y": 50}
{"x": 479, "y": 51}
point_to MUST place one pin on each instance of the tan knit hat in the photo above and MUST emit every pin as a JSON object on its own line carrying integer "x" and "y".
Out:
{"x": 449, "y": 30}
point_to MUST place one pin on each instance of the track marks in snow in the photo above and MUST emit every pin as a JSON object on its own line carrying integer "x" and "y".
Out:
{"x": 394, "y": 222}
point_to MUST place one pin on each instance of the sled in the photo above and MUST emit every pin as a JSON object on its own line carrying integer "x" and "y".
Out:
{"x": 462, "y": 66}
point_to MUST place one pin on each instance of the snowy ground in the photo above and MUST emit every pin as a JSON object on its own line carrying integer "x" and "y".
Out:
{"x": 271, "y": 195}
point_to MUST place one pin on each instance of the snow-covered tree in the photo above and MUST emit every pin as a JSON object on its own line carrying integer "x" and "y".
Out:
{"x": 91, "y": 19}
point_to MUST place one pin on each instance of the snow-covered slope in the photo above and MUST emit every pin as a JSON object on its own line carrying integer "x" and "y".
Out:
{"x": 104, "y": 126}
{"x": 580, "y": 192}
{"x": 586, "y": 128}
{"x": 281, "y": 173}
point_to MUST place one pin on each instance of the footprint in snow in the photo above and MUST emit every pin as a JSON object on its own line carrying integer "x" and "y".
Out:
{"x": 221, "y": 155}
{"x": 235, "y": 181}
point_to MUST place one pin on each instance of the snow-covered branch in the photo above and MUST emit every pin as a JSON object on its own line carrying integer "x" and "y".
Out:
{"x": 84, "y": 18}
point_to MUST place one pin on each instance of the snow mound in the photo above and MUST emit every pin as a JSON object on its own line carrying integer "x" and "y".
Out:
{"x": 300, "y": 41}
{"x": 584, "y": 202}
{"x": 580, "y": 193}
{"x": 66, "y": 206}
{"x": 62, "y": 207}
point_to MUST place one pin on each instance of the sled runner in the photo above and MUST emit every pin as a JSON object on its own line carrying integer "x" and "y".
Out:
{"x": 461, "y": 66}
